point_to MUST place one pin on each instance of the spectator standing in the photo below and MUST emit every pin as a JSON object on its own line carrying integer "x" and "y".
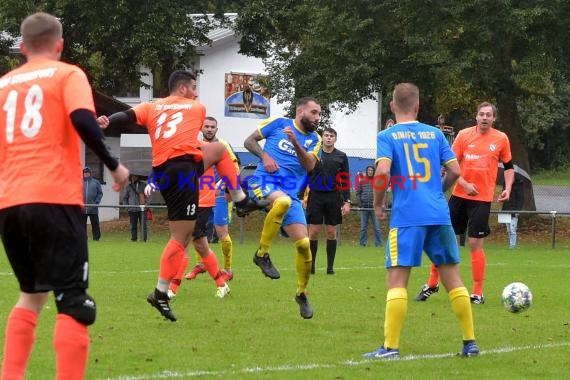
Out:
{"x": 515, "y": 203}
{"x": 135, "y": 197}
{"x": 92, "y": 195}
{"x": 365, "y": 197}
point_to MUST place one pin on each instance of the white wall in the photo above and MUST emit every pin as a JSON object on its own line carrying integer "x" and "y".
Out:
{"x": 356, "y": 132}
{"x": 216, "y": 62}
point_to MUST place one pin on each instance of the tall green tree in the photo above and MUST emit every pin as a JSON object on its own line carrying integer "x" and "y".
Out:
{"x": 110, "y": 40}
{"x": 460, "y": 53}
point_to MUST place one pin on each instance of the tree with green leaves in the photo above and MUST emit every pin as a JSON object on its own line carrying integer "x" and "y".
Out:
{"x": 460, "y": 53}
{"x": 111, "y": 40}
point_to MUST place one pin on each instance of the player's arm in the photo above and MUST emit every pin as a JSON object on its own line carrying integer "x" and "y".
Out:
{"x": 382, "y": 169}
{"x": 307, "y": 159}
{"x": 118, "y": 118}
{"x": 452, "y": 173}
{"x": 86, "y": 126}
{"x": 251, "y": 143}
{"x": 345, "y": 170}
{"x": 509, "y": 175}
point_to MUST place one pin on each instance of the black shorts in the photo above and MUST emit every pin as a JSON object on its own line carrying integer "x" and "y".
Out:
{"x": 203, "y": 216}
{"x": 178, "y": 181}
{"x": 46, "y": 245}
{"x": 467, "y": 212}
{"x": 324, "y": 206}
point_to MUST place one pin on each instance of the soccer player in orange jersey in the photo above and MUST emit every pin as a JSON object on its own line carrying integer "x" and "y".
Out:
{"x": 222, "y": 208}
{"x": 173, "y": 125}
{"x": 206, "y": 257}
{"x": 479, "y": 149}
{"x": 46, "y": 109}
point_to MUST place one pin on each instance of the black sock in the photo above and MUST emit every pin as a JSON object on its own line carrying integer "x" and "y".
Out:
{"x": 331, "y": 253}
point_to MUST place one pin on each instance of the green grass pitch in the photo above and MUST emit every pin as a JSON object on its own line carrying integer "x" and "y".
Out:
{"x": 257, "y": 333}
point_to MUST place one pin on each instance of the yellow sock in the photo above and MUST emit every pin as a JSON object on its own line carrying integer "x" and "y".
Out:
{"x": 303, "y": 262}
{"x": 227, "y": 251}
{"x": 396, "y": 312}
{"x": 461, "y": 306}
{"x": 272, "y": 223}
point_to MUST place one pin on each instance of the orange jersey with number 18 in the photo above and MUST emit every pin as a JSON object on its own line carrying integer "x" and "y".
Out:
{"x": 40, "y": 151}
{"x": 173, "y": 124}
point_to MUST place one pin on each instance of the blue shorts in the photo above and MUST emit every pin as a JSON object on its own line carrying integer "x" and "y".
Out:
{"x": 406, "y": 244}
{"x": 222, "y": 215}
{"x": 296, "y": 213}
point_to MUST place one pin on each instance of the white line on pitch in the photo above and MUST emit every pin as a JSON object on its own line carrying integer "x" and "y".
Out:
{"x": 291, "y": 367}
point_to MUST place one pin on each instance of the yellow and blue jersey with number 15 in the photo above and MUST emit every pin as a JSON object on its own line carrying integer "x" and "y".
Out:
{"x": 417, "y": 152}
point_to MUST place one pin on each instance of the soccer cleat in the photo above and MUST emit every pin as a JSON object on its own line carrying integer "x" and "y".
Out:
{"x": 247, "y": 205}
{"x": 331, "y": 272}
{"x": 305, "y": 308}
{"x": 159, "y": 301}
{"x": 383, "y": 353}
{"x": 477, "y": 299}
{"x": 426, "y": 292}
{"x": 223, "y": 291}
{"x": 266, "y": 266}
{"x": 470, "y": 349}
{"x": 198, "y": 268}
{"x": 227, "y": 275}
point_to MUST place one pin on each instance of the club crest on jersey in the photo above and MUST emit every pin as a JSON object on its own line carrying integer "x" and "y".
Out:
{"x": 308, "y": 144}
{"x": 492, "y": 147}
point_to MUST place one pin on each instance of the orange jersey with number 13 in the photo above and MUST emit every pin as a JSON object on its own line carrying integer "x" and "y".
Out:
{"x": 173, "y": 124}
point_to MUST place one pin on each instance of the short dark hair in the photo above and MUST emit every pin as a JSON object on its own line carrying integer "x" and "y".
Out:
{"x": 330, "y": 130}
{"x": 211, "y": 118}
{"x": 178, "y": 77}
{"x": 304, "y": 100}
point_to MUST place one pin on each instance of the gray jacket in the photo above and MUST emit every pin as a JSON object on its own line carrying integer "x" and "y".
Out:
{"x": 92, "y": 194}
{"x": 365, "y": 195}
{"x": 133, "y": 193}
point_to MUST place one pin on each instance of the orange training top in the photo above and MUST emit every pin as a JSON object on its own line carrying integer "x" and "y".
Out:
{"x": 173, "y": 124}
{"x": 40, "y": 151}
{"x": 207, "y": 185}
{"x": 479, "y": 155}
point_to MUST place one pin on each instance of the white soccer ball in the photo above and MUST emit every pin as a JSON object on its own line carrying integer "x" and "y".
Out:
{"x": 517, "y": 297}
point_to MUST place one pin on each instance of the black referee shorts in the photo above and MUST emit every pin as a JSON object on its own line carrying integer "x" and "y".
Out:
{"x": 324, "y": 207}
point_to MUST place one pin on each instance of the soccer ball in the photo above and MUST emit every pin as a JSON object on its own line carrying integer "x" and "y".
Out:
{"x": 517, "y": 297}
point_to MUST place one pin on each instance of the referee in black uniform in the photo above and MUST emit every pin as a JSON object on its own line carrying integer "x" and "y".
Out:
{"x": 326, "y": 203}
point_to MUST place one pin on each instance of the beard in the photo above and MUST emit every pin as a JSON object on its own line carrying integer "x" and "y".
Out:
{"x": 307, "y": 125}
